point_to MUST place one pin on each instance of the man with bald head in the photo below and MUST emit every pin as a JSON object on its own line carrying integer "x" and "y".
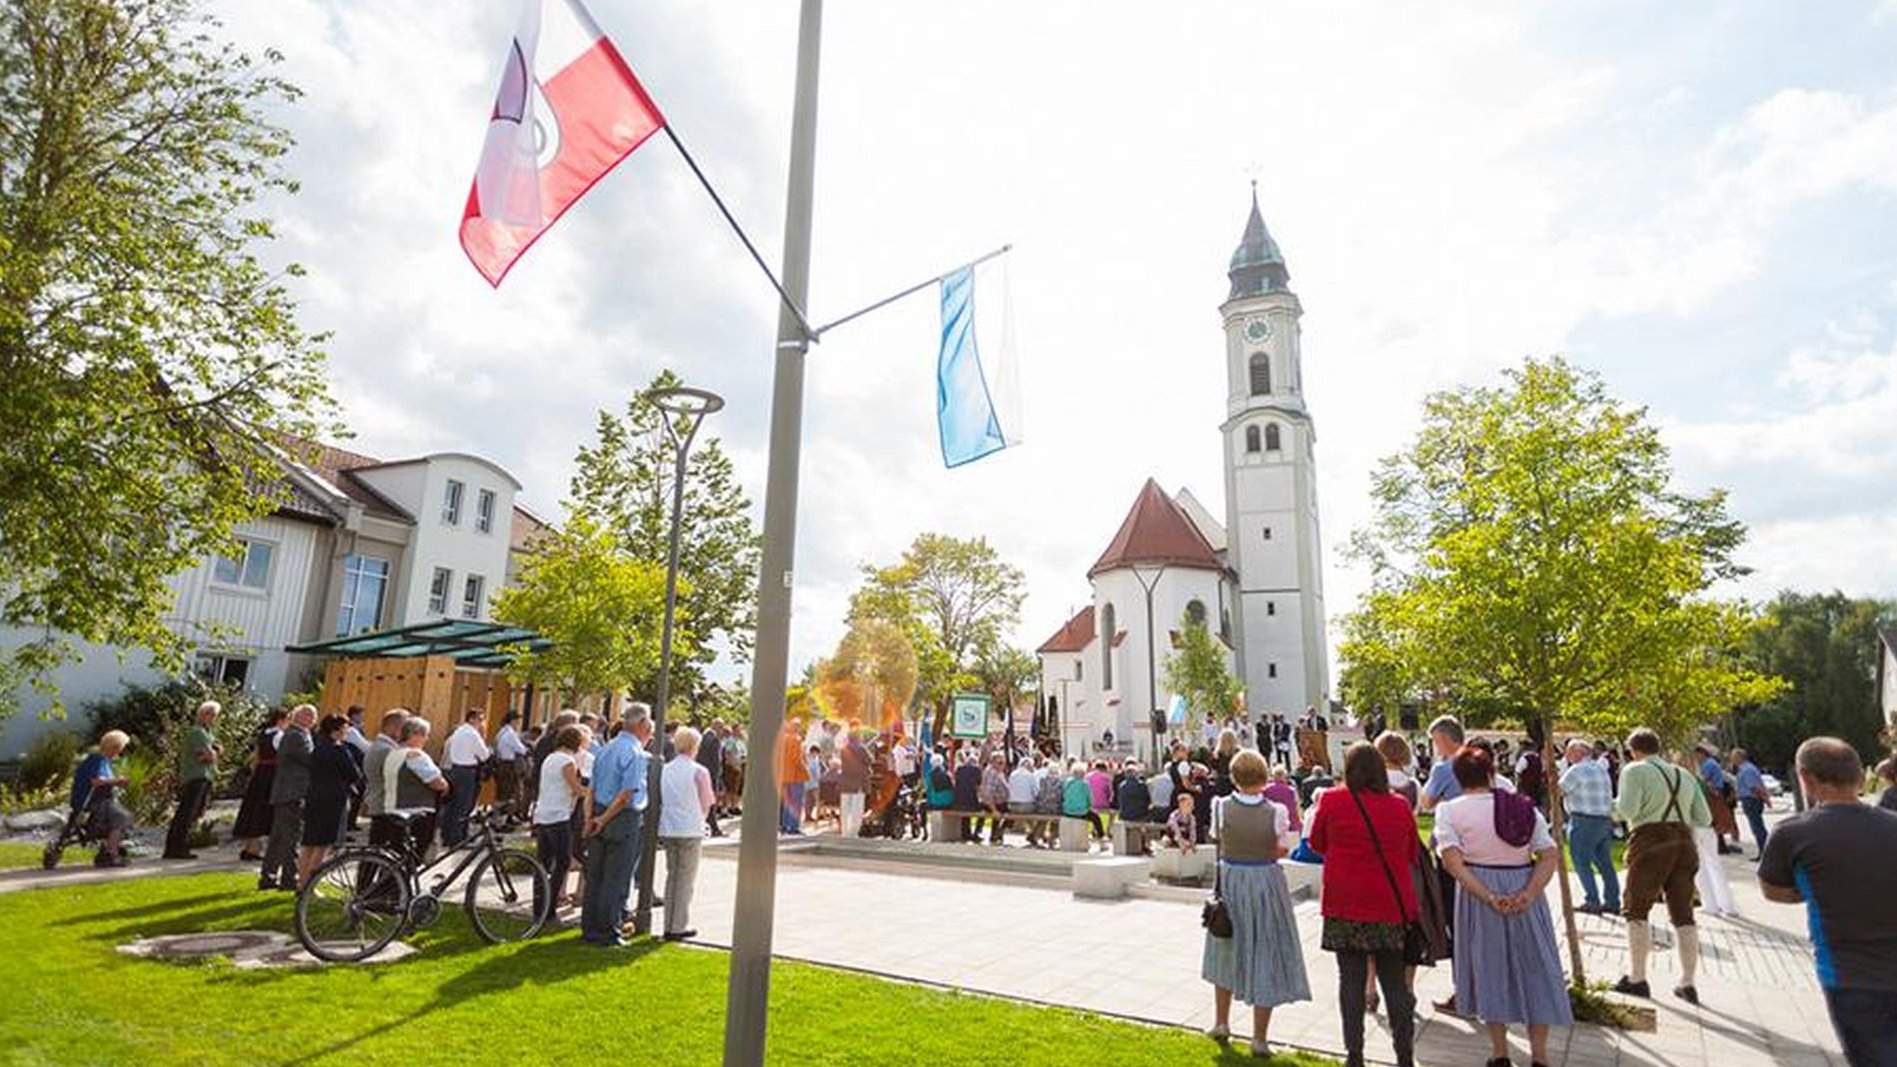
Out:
{"x": 1839, "y": 857}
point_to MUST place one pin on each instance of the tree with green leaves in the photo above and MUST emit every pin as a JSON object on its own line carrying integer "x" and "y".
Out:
{"x": 872, "y": 676}
{"x": 1826, "y": 646}
{"x": 954, "y": 597}
{"x": 601, "y": 608}
{"x": 150, "y": 358}
{"x": 1529, "y": 553}
{"x": 624, "y": 483}
{"x": 1200, "y": 670}
{"x": 1006, "y": 674}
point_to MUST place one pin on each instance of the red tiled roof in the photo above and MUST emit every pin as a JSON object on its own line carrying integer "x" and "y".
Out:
{"x": 1157, "y": 532}
{"x": 1074, "y": 635}
{"x": 333, "y": 465}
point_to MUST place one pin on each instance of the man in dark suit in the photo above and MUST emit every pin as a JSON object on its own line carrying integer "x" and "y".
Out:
{"x": 287, "y": 793}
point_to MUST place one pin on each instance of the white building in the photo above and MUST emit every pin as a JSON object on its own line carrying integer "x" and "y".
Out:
{"x": 358, "y": 545}
{"x": 1257, "y": 578}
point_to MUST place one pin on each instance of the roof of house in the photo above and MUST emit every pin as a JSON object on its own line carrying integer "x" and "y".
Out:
{"x": 1157, "y": 532}
{"x": 1890, "y": 639}
{"x": 331, "y": 466}
{"x": 1074, "y": 635}
{"x": 524, "y": 528}
{"x": 1209, "y": 528}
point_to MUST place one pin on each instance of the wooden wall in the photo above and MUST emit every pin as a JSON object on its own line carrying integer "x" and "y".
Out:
{"x": 429, "y": 686}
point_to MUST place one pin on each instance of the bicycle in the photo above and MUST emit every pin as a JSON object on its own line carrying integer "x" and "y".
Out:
{"x": 363, "y": 897}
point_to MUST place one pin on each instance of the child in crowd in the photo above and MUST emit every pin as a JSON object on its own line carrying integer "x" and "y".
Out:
{"x": 1182, "y": 829}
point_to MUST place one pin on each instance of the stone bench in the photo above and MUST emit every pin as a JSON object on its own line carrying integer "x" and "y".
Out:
{"x": 1176, "y": 865}
{"x": 1108, "y": 877}
{"x": 1130, "y": 838}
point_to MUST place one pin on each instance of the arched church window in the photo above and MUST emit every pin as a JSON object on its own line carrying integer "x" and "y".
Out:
{"x": 1107, "y": 630}
{"x": 1260, "y": 374}
{"x": 1273, "y": 441}
{"x": 1251, "y": 438}
{"x": 1195, "y": 612}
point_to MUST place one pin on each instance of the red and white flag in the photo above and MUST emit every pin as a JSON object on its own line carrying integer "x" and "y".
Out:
{"x": 569, "y": 109}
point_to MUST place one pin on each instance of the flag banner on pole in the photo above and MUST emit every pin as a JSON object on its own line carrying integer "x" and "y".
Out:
{"x": 977, "y": 395}
{"x": 1176, "y": 710}
{"x": 568, "y": 110}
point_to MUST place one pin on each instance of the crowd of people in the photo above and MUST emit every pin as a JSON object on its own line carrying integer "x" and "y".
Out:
{"x": 1473, "y": 897}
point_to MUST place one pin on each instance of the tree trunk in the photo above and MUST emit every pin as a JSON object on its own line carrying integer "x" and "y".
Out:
{"x": 1557, "y": 824}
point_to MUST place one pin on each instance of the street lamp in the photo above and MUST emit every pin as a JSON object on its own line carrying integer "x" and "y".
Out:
{"x": 1152, "y": 660}
{"x": 683, "y": 410}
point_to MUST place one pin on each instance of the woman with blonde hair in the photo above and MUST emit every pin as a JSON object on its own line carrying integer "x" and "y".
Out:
{"x": 95, "y": 787}
{"x": 1260, "y": 964}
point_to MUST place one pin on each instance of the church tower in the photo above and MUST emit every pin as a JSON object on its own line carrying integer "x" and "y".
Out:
{"x": 1271, "y": 486}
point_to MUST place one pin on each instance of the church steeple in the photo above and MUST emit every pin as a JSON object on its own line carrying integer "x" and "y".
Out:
{"x": 1257, "y": 266}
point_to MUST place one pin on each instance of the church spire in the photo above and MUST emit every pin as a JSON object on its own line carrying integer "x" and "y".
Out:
{"x": 1257, "y": 267}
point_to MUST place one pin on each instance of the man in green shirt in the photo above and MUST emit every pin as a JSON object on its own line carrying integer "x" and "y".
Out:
{"x": 1661, "y": 804}
{"x": 197, "y": 763}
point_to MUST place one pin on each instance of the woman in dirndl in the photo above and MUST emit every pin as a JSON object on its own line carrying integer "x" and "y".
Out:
{"x": 1498, "y": 848}
{"x": 254, "y": 813}
{"x": 1262, "y": 963}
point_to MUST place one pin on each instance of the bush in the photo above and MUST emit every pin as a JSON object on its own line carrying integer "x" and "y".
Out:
{"x": 50, "y": 761}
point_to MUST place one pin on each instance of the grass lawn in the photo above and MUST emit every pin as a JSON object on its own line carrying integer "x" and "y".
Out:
{"x": 17, "y": 854}
{"x": 71, "y": 999}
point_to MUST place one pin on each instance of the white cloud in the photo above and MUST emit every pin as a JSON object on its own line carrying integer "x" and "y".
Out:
{"x": 1437, "y": 174}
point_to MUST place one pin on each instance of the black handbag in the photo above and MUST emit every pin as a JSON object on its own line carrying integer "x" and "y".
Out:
{"x": 1417, "y": 948}
{"x": 1215, "y": 916}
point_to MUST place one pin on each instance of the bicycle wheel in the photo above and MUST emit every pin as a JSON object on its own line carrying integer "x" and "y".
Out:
{"x": 352, "y": 907}
{"x": 508, "y": 896}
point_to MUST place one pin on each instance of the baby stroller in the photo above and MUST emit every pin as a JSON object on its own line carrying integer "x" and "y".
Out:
{"x": 85, "y": 825}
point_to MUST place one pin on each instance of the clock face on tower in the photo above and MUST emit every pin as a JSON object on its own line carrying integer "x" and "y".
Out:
{"x": 1257, "y": 330}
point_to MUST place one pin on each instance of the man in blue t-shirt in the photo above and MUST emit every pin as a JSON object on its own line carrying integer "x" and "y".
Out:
{"x": 1840, "y": 859}
{"x": 1445, "y": 737}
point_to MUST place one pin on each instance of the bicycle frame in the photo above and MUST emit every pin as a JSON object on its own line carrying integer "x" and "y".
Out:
{"x": 471, "y": 849}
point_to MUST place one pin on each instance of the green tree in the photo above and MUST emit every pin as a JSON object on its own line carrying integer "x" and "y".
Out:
{"x": 1006, "y": 674}
{"x": 601, "y": 608}
{"x": 1198, "y": 669}
{"x": 953, "y": 597}
{"x": 150, "y": 358}
{"x": 872, "y": 676}
{"x": 1529, "y": 553}
{"x": 624, "y": 482}
{"x": 1826, "y": 646}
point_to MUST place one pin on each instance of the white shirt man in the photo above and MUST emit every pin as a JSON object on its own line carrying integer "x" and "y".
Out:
{"x": 508, "y": 745}
{"x": 1023, "y": 783}
{"x": 465, "y": 747}
{"x": 904, "y": 758}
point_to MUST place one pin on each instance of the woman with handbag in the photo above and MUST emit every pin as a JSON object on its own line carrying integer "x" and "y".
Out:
{"x": 1368, "y": 838}
{"x": 1251, "y": 938}
{"x": 1498, "y": 848}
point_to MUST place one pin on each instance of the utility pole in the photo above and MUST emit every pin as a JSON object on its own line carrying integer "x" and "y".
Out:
{"x": 748, "y": 996}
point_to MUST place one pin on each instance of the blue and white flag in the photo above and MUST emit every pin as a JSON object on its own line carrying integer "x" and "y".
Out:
{"x": 977, "y": 399}
{"x": 1176, "y": 711}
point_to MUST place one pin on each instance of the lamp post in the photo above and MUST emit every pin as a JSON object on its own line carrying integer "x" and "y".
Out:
{"x": 683, "y": 410}
{"x": 1152, "y": 657}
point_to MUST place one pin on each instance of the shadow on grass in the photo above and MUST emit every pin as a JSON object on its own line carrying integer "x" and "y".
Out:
{"x": 157, "y": 908}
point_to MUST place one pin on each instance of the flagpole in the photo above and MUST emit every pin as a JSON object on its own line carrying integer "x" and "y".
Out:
{"x": 747, "y": 998}
{"x": 916, "y": 288}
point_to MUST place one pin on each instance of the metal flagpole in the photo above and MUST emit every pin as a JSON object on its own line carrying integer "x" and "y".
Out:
{"x": 747, "y": 998}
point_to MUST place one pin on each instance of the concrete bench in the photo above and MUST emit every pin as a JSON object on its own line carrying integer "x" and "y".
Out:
{"x": 1076, "y": 835}
{"x": 1130, "y": 838}
{"x": 945, "y": 827}
{"x": 1107, "y": 878}
{"x": 1177, "y": 865}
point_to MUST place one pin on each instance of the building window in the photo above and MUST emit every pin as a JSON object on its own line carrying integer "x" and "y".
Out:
{"x": 1251, "y": 438}
{"x": 1107, "y": 622}
{"x": 216, "y": 669}
{"x": 484, "y": 511}
{"x": 438, "y": 591}
{"x": 1267, "y": 533}
{"x": 1080, "y": 668}
{"x": 1271, "y": 607}
{"x": 471, "y": 599}
{"x": 1271, "y": 670}
{"x": 250, "y": 568}
{"x": 451, "y": 503}
{"x": 1260, "y": 374}
{"x": 365, "y": 578}
{"x": 1272, "y": 440}
{"x": 1195, "y": 612}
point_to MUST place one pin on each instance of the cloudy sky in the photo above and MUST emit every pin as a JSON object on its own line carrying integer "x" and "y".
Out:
{"x": 1695, "y": 200}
